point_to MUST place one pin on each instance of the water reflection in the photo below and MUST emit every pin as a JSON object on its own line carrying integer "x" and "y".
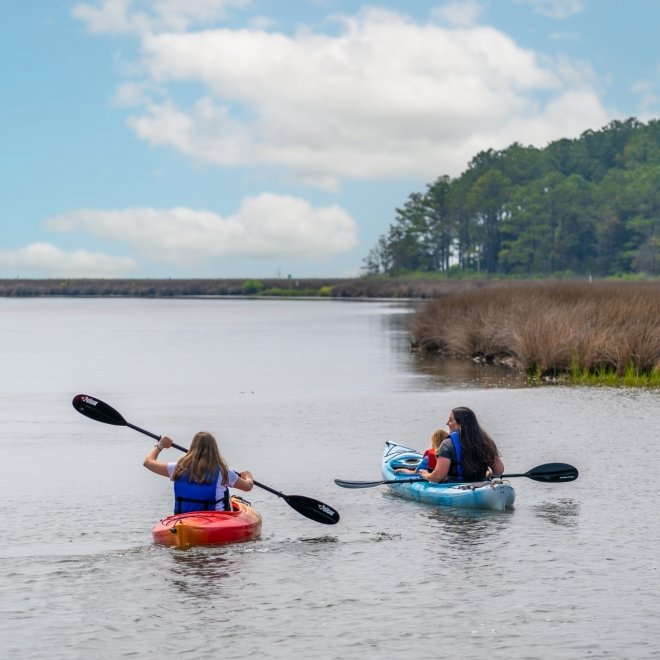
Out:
{"x": 468, "y": 528}
{"x": 561, "y": 512}
{"x": 385, "y": 536}
{"x": 464, "y": 373}
{"x": 200, "y": 572}
{"x": 319, "y": 539}
{"x": 439, "y": 370}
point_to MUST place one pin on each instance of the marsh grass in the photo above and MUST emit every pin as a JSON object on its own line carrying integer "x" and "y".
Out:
{"x": 608, "y": 376}
{"x": 599, "y": 332}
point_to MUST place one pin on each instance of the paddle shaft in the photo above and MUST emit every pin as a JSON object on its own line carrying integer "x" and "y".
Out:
{"x": 547, "y": 473}
{"x": 102, "y": 412}
{"x": 185, "y": 451}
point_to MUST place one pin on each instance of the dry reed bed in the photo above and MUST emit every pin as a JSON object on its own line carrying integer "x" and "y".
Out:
{"x": 548, "y": 327}
{"x": 403, "y": 287}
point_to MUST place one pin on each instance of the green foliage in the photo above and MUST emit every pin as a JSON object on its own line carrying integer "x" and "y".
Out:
{"x": 603, "y": 375}
{"x": 252, "y": 287}
{"x": 589, "y": 206}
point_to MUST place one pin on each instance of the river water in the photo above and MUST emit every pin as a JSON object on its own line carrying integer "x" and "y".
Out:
{"x": 302, "y": 392}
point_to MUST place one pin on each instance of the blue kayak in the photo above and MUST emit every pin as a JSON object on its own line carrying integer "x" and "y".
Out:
{"x": 495, "y": 494}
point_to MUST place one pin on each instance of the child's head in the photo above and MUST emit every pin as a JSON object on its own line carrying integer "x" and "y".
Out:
{"x": 437, "y": 438}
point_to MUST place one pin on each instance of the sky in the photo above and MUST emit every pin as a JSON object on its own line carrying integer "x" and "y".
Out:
{"x": 276, "y": 138}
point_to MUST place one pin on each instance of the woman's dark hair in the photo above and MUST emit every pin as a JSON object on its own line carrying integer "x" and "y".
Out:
{"x": 478, "y": 448}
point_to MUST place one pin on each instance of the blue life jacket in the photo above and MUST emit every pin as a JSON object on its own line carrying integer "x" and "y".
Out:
{"x": 191, "y": 496}
{"x": 456, "y": 440}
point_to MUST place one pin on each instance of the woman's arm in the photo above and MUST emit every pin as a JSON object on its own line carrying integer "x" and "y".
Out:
{"x": 497, "y": 467}
{"x": 244, "y": 481}
{"x": 150, "y": 460}
{"x": 440, "y": 471}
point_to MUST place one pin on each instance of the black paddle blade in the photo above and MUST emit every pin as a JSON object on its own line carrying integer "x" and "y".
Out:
{"x": 312, "y": 509}
{"x": 553, "y": 473}
{"x": 97, "y": 410}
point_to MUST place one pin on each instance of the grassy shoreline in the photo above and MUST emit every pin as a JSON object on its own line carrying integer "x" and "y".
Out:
{"x": 575, "y": 332}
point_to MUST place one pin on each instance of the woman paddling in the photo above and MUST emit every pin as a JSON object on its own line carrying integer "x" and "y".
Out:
{"x": 468, "y": 454}
{"x": 201, "y": 478}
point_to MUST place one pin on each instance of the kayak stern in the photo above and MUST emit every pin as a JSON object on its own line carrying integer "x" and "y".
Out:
{"x": 183, "y": 530}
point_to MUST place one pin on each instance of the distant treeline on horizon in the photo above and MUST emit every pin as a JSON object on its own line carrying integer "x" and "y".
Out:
{"x": 585, "y": 206}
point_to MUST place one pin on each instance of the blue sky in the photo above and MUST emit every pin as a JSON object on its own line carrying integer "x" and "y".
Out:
{"x": 264, "y": 138}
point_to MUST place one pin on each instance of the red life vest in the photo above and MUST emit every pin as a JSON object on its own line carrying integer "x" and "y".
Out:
{"x": 430, "y": 454}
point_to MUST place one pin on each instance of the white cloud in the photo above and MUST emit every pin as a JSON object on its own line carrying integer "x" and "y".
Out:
{"x": 130, "y": 94}
{"x": 385, "y": 97}
{"x": 649, "y": 100}
{"x": 45, "y": 260}
{"x": 558, "y": 9}
{"x": 557, "y": 114}
{"x": 137, "y": 16}
{"x": 381, "y": 97}
{"x": 265, "y": 227}
{"x": 463, "y": 13}
{"x": 564, "y": 36}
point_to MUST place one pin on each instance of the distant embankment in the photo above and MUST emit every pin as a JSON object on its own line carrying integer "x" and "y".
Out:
{"x": 359, "y": 287}
{"x": 156, "y": 288}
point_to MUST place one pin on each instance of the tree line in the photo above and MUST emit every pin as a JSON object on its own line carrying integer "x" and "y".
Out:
{"x": 584, "y": 206}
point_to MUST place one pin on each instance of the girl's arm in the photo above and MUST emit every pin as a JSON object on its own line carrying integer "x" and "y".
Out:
{"x": 150, "y": 460}
{"x": 244, "y": 481}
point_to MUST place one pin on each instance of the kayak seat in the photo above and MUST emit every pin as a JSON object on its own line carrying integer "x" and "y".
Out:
{"x": 405, "y": 463}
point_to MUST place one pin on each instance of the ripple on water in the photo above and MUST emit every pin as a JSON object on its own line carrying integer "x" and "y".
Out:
{"x": 560, "y": 512}
{"x": 572, "y": 572}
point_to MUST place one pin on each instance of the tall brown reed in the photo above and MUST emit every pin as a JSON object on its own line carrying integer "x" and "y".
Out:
{"x": 548, "y": 327}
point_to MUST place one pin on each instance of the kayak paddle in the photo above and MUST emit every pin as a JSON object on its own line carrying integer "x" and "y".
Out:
{"x": 102, "y": 412}
{"x": 548, "y": 473}
{"x": 551, "y": 473}
{"x": 370, "y": 484}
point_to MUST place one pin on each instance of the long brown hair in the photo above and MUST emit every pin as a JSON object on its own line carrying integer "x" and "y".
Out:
{"x": 478, "y": 448}
{"x": 202, "y": 462}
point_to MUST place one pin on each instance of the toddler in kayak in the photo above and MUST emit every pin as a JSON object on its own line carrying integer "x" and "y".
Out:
{"x": 428, "y": 458}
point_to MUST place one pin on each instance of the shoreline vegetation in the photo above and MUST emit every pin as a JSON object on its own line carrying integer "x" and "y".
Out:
{"x": 601, "y": 332}
{"x": 590, "y": 333}
{"x": 414, "y": 287}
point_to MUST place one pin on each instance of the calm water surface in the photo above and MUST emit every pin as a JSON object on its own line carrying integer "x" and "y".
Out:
{"x": 302, "y": 392}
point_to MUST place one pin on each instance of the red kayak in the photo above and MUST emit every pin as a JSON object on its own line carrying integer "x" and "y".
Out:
{"x": 242, "y": 523}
